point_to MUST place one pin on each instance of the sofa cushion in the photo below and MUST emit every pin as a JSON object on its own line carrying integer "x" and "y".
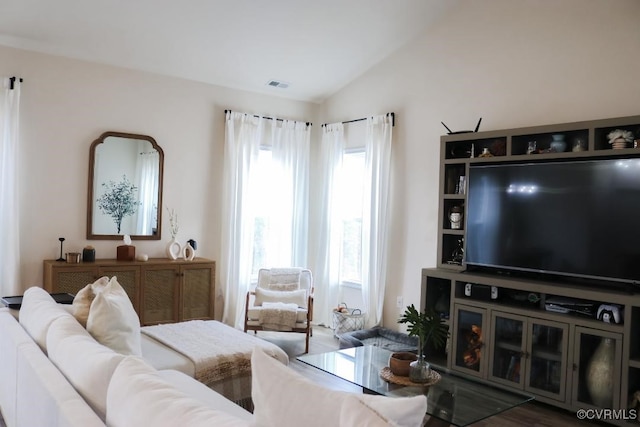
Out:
{"x": 113, "y": 321}
{"x": 284, "y": 398}
{"x": 87, "y": 364}
{"x": 44, "y": 397}
{"x": 83, "y": 299}
{"x": 37, "y": 313}
{"x": 194, "y": 388}
{"x": 13, "y": 337}
{"x": 355, "y": 412}
{"x": 139, "y": 396}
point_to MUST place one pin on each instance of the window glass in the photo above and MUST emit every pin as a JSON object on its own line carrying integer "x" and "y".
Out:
{"x": 261, "y": 186}
{"x": 350, "y": 201}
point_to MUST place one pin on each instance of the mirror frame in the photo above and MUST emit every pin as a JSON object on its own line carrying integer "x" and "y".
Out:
{"x": 91, "y": 196}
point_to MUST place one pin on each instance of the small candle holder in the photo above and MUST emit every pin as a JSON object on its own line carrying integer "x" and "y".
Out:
{"x": 61, "y": 258}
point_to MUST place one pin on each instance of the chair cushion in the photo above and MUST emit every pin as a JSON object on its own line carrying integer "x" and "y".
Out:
{"x": 284, "y": 398}
{"x": 301, "y": 317}
{"x": 283, "y": 286}
{"x": 298, "y": 297}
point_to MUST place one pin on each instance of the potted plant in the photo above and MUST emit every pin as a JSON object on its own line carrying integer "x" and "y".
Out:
{"x": 430, "y": 329}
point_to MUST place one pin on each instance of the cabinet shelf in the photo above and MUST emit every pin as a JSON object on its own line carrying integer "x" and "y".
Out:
{"x": 547, "y": 354}
{"x": 504, "y": 345}
{"x": 634, "y": 363}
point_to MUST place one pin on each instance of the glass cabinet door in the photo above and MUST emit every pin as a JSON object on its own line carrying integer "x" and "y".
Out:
{"x": 546, "y": 368}
{"x": 596, "y": 363}
{"x": 506, "y": 363}
{"x": 469, "y": 340}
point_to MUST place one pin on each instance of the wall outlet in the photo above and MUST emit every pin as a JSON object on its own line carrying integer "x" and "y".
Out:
{"x": 399, "y": 302}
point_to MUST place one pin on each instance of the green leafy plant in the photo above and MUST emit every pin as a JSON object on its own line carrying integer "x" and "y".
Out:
{"x": 118, "y": 200}
{"x": 427, "y": 326}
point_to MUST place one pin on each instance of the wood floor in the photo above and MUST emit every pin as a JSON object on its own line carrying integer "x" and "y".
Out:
{"x": 533, "y": 414}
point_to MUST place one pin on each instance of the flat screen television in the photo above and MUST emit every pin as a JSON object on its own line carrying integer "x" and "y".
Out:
{"x": 575, "y": 219}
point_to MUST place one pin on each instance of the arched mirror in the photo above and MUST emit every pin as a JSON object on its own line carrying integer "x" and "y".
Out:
{"x": 125, "y": 187}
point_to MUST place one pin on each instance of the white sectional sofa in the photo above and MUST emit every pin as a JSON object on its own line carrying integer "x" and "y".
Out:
{"x": 54, "y": 373}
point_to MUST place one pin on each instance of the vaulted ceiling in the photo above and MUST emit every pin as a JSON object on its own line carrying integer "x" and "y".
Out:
{"x": 316, "y": 47}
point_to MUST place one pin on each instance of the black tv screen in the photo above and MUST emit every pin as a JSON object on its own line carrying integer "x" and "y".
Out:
{"x": 574, "y": 218}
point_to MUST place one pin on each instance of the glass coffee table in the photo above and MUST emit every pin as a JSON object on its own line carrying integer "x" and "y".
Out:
{"x": 454, "y": 400}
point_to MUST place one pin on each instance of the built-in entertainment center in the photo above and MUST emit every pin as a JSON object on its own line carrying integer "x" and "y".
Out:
{"x": 538, "y": 269}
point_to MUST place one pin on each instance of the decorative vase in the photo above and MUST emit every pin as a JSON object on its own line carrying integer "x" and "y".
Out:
{"x": 188, "y": 252}
{"x": 400, "y": 362}
{"x": 600, "y": 374}
{"x": 173, "y": 249}
{"x": 419, "y": 370}
{"x": 558, "y": 144}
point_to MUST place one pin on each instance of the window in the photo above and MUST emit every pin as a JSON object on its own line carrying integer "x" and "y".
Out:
{"x": 350, "y": 193}
{"x": 261, "y": 186}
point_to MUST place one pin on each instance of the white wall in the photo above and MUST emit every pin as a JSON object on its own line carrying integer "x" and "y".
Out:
{"x": 66, "y": 104}
{"x": 514, "y": 63}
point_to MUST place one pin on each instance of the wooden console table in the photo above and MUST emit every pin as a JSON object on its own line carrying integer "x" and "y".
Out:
{"x": 161, "y": 290}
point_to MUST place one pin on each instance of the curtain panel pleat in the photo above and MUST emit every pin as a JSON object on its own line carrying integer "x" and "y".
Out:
{"x": 327, "y": 263}
{"x": 375, "y": 219}
{"x": 9, "y": 191}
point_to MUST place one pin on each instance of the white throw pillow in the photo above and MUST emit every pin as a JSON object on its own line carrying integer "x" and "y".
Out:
{"x": 37, "y": 312}
{"x": 139, "y": 396}
{"x": 87, "y": 365}
{"x": 298, "y": 297}
{"x": 282, "y": 398}
{"x": 355, "y": 412}
{"x": 113, "y": 321}
{"x": 83, "y": 299}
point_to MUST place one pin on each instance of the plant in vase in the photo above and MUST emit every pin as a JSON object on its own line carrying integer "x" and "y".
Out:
{"x": 430, "y": 329}
{"x": 173, "y": 248}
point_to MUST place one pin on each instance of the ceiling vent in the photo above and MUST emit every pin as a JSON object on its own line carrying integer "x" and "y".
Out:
{"x": 278, "y": 84}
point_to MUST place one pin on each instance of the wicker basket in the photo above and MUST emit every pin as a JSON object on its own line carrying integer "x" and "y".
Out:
{"x": 352, "y": 320}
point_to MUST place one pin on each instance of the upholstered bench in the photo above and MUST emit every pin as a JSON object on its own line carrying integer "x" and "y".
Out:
{"x": 381, "y": 337}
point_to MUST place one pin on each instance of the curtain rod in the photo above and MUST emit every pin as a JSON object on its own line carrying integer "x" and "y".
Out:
{"x": 12, "y": 81}
{"x": 269, "y": 118}
{"x": 393, "y": 120}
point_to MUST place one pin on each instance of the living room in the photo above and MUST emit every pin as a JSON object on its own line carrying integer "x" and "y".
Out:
{"x": 513, "y": 63}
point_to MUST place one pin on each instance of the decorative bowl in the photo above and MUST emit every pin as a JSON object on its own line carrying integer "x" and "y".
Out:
{"x": 399, "y": 363}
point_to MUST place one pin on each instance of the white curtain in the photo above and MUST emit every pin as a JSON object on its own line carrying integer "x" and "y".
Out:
{"x": 287, "y": 241}
{"x": 288, "y": 231}
{"x": 9, "y": 218}
{"x": 375, "y": 220}
{"x": 148, "y": 165}
{"x": 327, "y": 274}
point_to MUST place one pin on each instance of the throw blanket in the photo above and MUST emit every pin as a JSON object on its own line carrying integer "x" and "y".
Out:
{"x": 278, "y": 316}
{"x": 285, "y": 275}
{"x": 221, "y": 354}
